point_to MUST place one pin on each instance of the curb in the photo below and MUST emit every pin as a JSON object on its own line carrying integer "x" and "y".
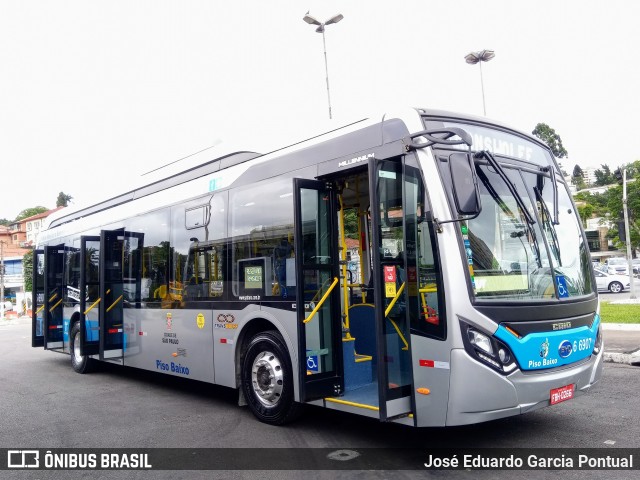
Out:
{"x": 632, "y": 358}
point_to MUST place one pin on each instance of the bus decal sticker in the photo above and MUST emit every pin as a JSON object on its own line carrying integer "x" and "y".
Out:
{"x": 170, "y": 338}
{"x": 228, "y": 341}
{"x": 565, "y": 349}
{"x": 142, "y": 334}
{"x": 434, "y": 364}
{"x": 169, "y": 321}
{"x": 180, "y": 352}
{"x": 200, "y": 321}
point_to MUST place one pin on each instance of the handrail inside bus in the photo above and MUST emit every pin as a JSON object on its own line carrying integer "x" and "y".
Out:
{"x": 54, "y": 307}
{"x": 395, "y": 325}
{"x": 114, "y": 303}
{"x": 92, "y": 305}
{"x": 322, "y": 300}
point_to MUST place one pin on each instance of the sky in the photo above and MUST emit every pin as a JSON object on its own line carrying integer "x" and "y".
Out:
{"x": 94, "y": 94}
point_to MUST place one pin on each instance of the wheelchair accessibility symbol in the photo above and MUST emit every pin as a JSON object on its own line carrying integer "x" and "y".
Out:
{"x": 562, "y": 286}
{"x": 312, "y": 363}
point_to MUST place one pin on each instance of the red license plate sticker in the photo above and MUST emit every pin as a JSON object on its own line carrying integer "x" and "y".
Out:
{"x": 561, "y": 394}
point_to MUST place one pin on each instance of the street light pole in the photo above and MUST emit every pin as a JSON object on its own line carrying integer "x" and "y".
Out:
{"x": 627, "y": 234}
{"x": 479, "y": 57}
{"x": 321, "y": 27}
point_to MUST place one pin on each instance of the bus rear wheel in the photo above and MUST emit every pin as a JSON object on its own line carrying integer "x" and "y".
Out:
{"x": 267, "y": 379}
{"x": 80, "y": 363}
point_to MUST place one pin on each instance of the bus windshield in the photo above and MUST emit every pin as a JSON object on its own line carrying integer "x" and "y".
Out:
{"x": 512, "y": 259}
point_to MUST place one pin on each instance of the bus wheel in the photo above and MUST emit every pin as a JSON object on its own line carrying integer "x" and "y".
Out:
{"x": 80, "y": 363}
{"x": 267, "y": 379}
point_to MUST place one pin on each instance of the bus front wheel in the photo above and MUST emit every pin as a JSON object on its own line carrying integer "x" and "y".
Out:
{"x": 267, "y": 379}
{"x": 80, "y": 363}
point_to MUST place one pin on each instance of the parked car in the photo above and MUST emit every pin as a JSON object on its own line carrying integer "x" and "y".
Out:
{"x": 635, "y": 263}
{"x": 617, "y": 265}
{"x": 611, "y": 282}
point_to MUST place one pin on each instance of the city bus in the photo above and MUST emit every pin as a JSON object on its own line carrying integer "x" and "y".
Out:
{"x": 419, "y": 267}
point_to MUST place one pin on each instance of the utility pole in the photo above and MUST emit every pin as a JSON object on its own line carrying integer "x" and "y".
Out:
{"x": 628, "y": 234}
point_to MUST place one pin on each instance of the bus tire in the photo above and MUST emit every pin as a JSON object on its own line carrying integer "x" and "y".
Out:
{"x": 267, "y": 379}
{"x": 80, "y": 363}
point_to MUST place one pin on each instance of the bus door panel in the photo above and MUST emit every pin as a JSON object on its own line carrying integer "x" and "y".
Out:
{"x": 112, "y": 294}
{"x": 393, "y": 222}
{"x": 136, "y": 284}
{"x": 89, "y": 295}
{"x": 37, "y": 301}
{"x": 318, "y": 301}
{"x": 53, "y": 297}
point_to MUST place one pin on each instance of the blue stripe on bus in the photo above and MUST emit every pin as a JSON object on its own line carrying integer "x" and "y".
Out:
{"x": 541, "y": 350}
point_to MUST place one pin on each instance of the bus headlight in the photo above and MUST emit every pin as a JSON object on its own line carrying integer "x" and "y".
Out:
{"x": 480, "y": 340}
{"x": 487, "y": 349}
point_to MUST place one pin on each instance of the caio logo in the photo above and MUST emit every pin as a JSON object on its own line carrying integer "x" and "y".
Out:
{"x": 23, "y": 459}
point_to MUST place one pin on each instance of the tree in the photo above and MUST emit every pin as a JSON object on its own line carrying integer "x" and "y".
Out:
{"x": 549, "y": 136}
{"x": 30, "y": 212}
{"x": 578, "y": 177}
{"x": 604, "y": 176}
{"x": 4, "y": 221}
{"x": 63, "y": 199}
{"x": 27, "y": 270}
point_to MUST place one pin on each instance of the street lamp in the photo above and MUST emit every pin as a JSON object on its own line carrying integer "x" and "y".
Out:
{"x": 479, "y": 57}
{"x": 321, "y": 26}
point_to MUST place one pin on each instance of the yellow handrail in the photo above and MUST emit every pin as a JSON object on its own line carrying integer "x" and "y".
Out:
{"x": 54, "y": 307}
{"x": 343, "y": 255}
{"x": 40, "y": 309}
{"x": 92, "y": 305}
{"x": 324, "y": 297}
{"x": 395, "y": 299}
{"x": 114, "y": 303}
{"x": 386, "y": 314}
{"x": 395, "y": 325}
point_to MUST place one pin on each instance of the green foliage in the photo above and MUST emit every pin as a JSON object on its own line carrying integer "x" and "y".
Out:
{"x": 30, "y": 212}
{"x": 604, "y": 176}
{"x": 577, "y": 178}
{"x": 351, "y": 223}
{"x": 624, "y": 313}
{"x": 63, "y": 199}
{"x": 549, "y": 136}
{"x": 27, "y": 269}
{"x": 4, "y": 221}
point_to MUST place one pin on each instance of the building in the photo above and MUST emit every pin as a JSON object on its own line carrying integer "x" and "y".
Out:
{"x": 15, "y": 241}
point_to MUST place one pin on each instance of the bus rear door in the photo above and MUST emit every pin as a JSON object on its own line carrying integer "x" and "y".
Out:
{"x": 90, "y": 295}
{"x": 318, "y": 301}
{"x": 111, "y": 295}
{"x": 37, "y": 301}
{"x": 53, "y": 297}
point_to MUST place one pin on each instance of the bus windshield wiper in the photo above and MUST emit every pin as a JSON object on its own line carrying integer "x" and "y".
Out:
{"x": 533, "y": 240}
{"x": 501, "y": 173}
{"x": 554, "y": 188}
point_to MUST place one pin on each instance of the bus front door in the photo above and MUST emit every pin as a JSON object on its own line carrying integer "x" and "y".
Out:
{"x": 53, "y": 297}
{"x": 394, "y": 209}
{"x": 90, "y": 295}
{"x": 111, "y": 295}
{"x": 37, "y": 300}
{"x": 318, "y": 301}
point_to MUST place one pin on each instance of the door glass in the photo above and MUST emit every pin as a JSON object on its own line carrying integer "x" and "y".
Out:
{"x": 393, "y": 217}
{"x": 53, "y": 298}
{"x": 38, "y": 299}
{"x": 317, "y": 280}
{"x": 89, "y": 300}
{"x": 112, "y": 291}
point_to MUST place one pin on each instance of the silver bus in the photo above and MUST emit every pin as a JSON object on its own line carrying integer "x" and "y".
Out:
{"x": 421, "y": 267}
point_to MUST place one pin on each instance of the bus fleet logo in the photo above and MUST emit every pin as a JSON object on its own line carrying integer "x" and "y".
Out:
{"x": 361, "y": 158}
{"x": 561, "y": 326}
{"x": 565, "y": 349}
{"x": 544, "y": 348}
{"x": 226, "y": 321}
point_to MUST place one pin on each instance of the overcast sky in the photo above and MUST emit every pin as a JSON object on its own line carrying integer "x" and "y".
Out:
{"x": 94, "y": 93}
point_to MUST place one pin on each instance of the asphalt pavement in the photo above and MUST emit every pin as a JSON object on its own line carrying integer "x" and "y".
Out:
{"x": 621, "y": 340}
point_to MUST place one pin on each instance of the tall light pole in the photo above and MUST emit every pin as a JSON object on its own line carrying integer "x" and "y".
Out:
{"x": 321, "y": 26}
{"x": 479, "y": 57}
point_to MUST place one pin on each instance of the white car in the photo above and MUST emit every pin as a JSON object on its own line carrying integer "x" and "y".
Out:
{"x": 612, "y": 283}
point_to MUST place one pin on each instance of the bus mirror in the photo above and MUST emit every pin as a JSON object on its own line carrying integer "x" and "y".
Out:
{"x": 465, "y": 184}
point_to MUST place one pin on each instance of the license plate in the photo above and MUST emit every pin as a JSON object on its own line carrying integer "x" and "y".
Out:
{"x": 561, "y": 394}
